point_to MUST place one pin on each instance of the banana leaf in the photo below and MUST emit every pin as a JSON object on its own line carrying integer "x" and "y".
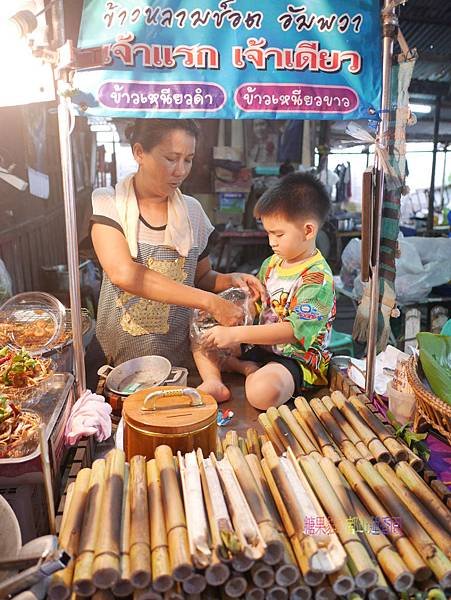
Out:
{"x": 435, "y": 358}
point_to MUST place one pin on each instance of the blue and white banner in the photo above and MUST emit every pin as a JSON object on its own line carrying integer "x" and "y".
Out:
{"x": 273, "y": 59}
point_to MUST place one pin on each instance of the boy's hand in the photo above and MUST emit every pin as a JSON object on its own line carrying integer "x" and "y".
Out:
{"x": 251, "y": 283}
{"x": 219, "y": 337}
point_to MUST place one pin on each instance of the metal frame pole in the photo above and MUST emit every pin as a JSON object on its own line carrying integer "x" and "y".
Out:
{"x": 389, "y": 28}
{"x": 430, "y": 223}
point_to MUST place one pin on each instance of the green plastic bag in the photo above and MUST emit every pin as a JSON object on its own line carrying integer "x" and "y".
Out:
{"x": 435, "y": 357}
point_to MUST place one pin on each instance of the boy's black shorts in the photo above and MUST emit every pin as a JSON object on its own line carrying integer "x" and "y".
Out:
{"x": 263, "y": 357}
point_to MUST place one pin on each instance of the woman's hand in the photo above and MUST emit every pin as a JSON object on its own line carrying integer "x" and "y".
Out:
{"x": 219, "y": 337}
{"x": 225, "y": 312}
{"x": 251, "y": 283}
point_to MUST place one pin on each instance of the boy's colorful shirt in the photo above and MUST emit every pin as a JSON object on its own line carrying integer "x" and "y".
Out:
{"x": 304, "y": 295}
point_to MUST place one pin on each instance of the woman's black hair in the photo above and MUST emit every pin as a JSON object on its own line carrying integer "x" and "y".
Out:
{"x": 150, "y": 132}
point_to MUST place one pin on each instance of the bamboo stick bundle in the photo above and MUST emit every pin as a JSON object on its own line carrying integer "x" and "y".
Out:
{"x": 324, "y": 552}
{"x": 123, "y": 587}
{"x": 161, "y": 568}
{"x": 82, "y": 579}
{"x": 419, "y": 487}
{"x": 335, "y": 431}
{"x": 362, "y": 566}
{"x": 224, "y": 540}
{"x": 300, "y": 435}
{"x": 412, "y": 559}
{"x": 306, "y": 429}
{"x": 274, "y": 544}
{"x": 392, "y": 564}
{"x": 106, "y": 568}
{"x": 140, "y": 555}
{"x": 367, "y": 435}
{"x": 69, "y": 537}
{"x": 194, "y": 584}
{"x": 236, "y": 586}
{"x": 254, "y": 593}
{"x": 347, "y": 429}
{"x": 271, "y": 433}
{"x": 61, "y": 581}
{"x": 252, "y": 543}
{"x": 242, "y": 444}
{"x": 397, "y": 450}
{"x": 262, "y": 575}
{"x": 311, "y": 577}
{"x": 342, "y": 581}
{"x": 231, "y": 439}
{"x": 434, "y": 557}
{"x": 327, "y": 446}
{"x": 253, "y": 443}
{"x": 299, "y": 592}
{"x": 174, "y": 515}
{"x": 284, "y": 432}
{"x": 219, "y": 448}
{"x": 146, "y": 594}
{"x": 427, "y": 520}
{"x": 196, "y": 517}
{"x": 276, "y": 592}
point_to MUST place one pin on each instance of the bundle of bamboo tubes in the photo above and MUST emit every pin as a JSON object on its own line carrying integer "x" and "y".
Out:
{"x": 294, "y": 520}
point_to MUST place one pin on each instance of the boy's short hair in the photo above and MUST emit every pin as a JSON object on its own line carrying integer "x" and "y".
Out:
{"x": 295, "y": 195}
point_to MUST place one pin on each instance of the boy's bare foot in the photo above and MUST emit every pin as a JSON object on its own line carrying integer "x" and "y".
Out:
{"x": 245, "y": 367}
{"x": 215, "y": 388}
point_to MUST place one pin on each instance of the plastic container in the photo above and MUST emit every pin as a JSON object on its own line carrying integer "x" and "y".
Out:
{"x": 402, "y": 405}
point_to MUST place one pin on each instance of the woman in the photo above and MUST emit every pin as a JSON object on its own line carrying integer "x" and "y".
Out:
{"x": 152, "y": 242}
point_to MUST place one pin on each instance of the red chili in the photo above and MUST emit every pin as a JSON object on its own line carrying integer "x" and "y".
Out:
{"x": 5, "y": 359}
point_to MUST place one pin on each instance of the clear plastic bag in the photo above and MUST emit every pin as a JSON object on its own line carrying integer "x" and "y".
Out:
{"x": 6, "y": 286}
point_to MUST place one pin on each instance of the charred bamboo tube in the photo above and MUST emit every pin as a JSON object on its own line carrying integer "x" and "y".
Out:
{"x": 217, "y": 572}
{"x": 123, "y": 587}
{"x": 311, "y": 577}
{"x": 367, "y": 435}
{"x": 219, "y": 448}
{"x": 434, "y": 557}
{"x": 140, "y": 557}
{"x": 254, "y": 593}
{"x": 347, "y": 429}
{"x": 242, "y": 444}
{"x": 224, "y": 540}
{"x": 161, "y": 569}
{"x": 434, "y": 529}
{"x": 287, "y": 573}
{"x": 196, "y": 518}
{"x": 241, "y": 563}
{"x": 253, "y": 443}
{"x": 259, "y": 476}
{"x": 396, "y": 449}
{"x": 284, "y": 432}
{"x": 236, "y": 586}
{"x": 381, "y": 591}
{"x": 262, "y": 575}
{"x": 339, "y": 437}
{"x": 195, "y": 584}
{"x": 271, "y": 433}
{"x": 393, "y": 566}
{"x": 407, "y": 551}
{"x": 326, "y": 444}
{"x": 342, "y": 581}
{"x": 415, "y": 461}
{"x": 231, "y": 439}
{"x": 306, "y": 429}
{"x": 276, "y": 592}
{"x": 300, "y": 592}
{"x": 176, "y": 593}
{"x": 274, "y": 544}
{"x": 146, "y": 594}
{"x": 174, "y": 515}
{"x": 360, "y": 562}
{"x": 82, "y": 580}
{"x": 419, "y": 487}
{"x": 300, "y": 435}
{"x": 69, "y": 537}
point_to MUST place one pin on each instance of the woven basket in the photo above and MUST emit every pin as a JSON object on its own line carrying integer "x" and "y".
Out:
{"x": 430, "y": 407}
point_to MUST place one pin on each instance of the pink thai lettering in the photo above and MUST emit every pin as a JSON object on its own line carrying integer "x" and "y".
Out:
{"x": 122, "y": 49}
{"x": 306, "y": 56}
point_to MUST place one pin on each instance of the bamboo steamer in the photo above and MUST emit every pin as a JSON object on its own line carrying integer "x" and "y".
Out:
{"x": 182, "y": 418}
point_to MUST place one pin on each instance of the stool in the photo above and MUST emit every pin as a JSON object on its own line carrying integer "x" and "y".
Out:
{"x": 341, "y": 343}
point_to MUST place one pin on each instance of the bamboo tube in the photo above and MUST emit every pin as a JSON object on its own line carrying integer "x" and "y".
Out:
{"x": 196, "y": 518}
{"x": 277, "y": 593}
{"x": 367, "y": 435}
{"x": 271, "y": 433}
{"x": 194, "y": 584}
{"x": 415, "y": 461}
{"x": 217, "y": 572}
{"x": 236, "y": 586}
{"x": 362, "y": 565}
{"x": 274, "y": 544}
{"x": 434, "y": 557}
{"x": 306, "y": 429}
{"x": 61, "y": 581}
{"x": 347, "y": 429}
{"x": 326, "y": 444}
{"x": 242, "y": 444}
{"x": 300, "y": 592}
{"x": 123, "y": 587}
{"x": 176, "y": 593}
{"x": 262, "y": 575}
{"x": 381, "y": 591}
{"x": 334, "y": 430}
{"x": 161, "y": 569}
{"x": 254, "y": 593}
{"x": 231, "y": 439}
{"x": 311, "y": 577}
{"x": 393, "y": 566}
{"x": 174, "y": 515}
{"x": 140, "y": 557}
{"x": 82, "y": 579}
{"x": 342, "y": 581}
{"x": 242, "y": 563}
{"x": 407, "y": 551}
{"x": 300, "y": 435}
{"x": 102, "y": 595}
{"x": 397, "y": 450}
{"x": 146, "y": 594}
{"x": 253, "y": 443}
{"x": 219, "y": 448}
{"x": 263, "y": 438}
{"x": 287, "y": 573}
{"x": 260, "y": 480}
{"x": 284, "y": 432}
{"x": 419, "y": 487}
{"x": 434, "y": 529}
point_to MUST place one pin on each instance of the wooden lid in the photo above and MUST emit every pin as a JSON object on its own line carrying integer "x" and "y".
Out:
{"x": 173, "y": 414}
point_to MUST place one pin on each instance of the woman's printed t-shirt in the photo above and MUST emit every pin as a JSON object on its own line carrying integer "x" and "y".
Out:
{"x": 129, "y": 326}
{"x": 304, "y": 295}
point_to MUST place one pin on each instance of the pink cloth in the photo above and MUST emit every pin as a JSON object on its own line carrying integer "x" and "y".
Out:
{"x": 90, "y": 415}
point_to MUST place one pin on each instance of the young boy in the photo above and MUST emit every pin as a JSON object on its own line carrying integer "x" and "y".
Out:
{"x": 289, "y": 344}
